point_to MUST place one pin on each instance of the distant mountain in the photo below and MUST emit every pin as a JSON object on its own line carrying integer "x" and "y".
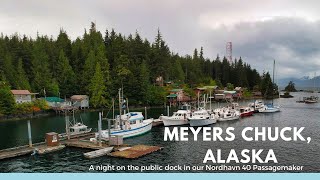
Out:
{"x": 303, "y": 82}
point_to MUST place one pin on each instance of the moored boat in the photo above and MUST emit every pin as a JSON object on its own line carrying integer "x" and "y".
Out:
{"x": 256, "y": 105}
{"x": 127, "y": 124}
{"x": 246, "y": 111}
{"x": 202, "y": 117}
{"x": 75, "y": 128}
{"x": 178, "y": 118}
{"x": 269, "y": 108}
{"x": 226, "y": 114}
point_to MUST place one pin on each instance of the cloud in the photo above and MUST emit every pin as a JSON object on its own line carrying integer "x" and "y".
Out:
{"x": 293, "y": 42}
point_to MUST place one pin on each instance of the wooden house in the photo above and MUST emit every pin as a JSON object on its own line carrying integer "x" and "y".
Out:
{"x": 81, "y": 101}
{"x": 178, "y": 96}
{"x": 23, "y": 96}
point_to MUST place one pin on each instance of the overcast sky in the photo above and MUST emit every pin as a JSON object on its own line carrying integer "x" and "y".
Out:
{"x": 285, "y": 30}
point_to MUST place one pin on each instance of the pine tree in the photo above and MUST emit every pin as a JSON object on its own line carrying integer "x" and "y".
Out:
{"x": 66, "y": 77}
{"x": 42, "y": 77}
{"x": 88, "y": 69}
{"x": 9, "y": 71}
{"x": 7, "y": 103}
{"x": 22, "y": 79}
{"x": 97, "y": 88}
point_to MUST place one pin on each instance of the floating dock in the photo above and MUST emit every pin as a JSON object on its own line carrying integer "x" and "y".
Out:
{"x": 14, "y": 152}
{"x": 79, "y": 143}
{"x": 40, "y": 148}
{"x": 135, "y": 151}
{"x": 98, "y": 153}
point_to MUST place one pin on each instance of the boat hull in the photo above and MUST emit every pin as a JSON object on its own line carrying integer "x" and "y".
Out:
{"x": 270, "y": 110}
{"x": 229, "y": 118}
{"x": 201, "y": 122}
{"x": 174, "y": 122}
{"x": 246, "y": 114}
{"x": 130, "y": 132}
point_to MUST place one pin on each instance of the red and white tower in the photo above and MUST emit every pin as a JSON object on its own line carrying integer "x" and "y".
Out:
{"x": 229, "y": 51}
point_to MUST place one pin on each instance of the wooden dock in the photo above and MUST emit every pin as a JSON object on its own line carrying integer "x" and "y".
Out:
{"x": 135, "y": 151}
{"x": 14, "y": 152}
{"x": 80, "y": 143}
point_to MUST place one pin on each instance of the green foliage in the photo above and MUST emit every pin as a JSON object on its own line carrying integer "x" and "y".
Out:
{"x": 7, "y": 103}
{"x": 60, "y": 65}
{"x": 65, "y": 75}
{"x": 290, "y": 87}
{"x": 157, "y": 95}
{"x": 41, "y": 104}
{"x": 97, "y": 88}
{"x": 230, "y": 87}
{"x": 22, "y": 80}
{"x": 189, "y": 91}
{"x": 267, "y": 87}
{"x": 246, "y": 93}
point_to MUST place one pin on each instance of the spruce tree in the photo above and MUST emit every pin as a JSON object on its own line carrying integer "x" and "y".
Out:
{"x": 7, "y": 103}
{"x": 66, "y": 76}
{"x": 97, "y": 88}
{"x": 22, "y": 80}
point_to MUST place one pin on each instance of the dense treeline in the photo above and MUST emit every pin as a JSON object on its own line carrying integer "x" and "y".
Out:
{"x": 98, "y": 64}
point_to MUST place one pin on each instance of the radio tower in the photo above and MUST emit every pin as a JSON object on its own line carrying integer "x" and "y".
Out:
{"x": 229, "y": 51}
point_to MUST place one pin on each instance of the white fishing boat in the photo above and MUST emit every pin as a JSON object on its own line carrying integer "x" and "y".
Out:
{"x": 178, "y": 118}
{"x": 127, "y": 124}
{"x": 269, "y": 108}
{"x": 76, "y": 128}
{"x": 256, "y": 105}
{"x": 202, "y": 117}
{"x": 227, "y": 114}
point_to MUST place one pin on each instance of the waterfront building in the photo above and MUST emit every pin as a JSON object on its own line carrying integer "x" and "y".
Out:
{"x": 23, "y": 96}
{"x": 80, "y": 101}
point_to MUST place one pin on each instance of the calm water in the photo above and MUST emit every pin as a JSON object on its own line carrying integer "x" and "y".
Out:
{"x": 13, "y": 133}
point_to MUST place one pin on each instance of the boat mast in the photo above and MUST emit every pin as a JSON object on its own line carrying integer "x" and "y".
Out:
{"x": 274, "y": 64}
{"x": 120, "y": 108}
{"x": 210, "y": 100}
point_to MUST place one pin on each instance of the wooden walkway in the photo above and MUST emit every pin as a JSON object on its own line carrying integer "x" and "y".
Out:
{"x": 84, "y": 144}
{"x": 42, "y": 148}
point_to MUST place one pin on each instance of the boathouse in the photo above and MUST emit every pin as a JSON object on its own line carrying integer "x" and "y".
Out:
{"x": 80, "y": 101}
{"x": 23, "y": 96}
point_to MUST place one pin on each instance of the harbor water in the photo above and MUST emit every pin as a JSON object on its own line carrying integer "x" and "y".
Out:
{"x": 14, "y": 133}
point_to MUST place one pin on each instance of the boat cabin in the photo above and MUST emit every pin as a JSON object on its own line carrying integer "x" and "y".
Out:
{"x": 78, "y": 128}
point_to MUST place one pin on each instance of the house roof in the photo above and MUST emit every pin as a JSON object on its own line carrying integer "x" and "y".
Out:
{"x": 78, "y": 97}
{"x": 21, "y": 92}
{"x": 229, "y": 92}
{"x": 175, "y": 90}
{"x": 172, "y": 96}
{"x": 54, "y": 99}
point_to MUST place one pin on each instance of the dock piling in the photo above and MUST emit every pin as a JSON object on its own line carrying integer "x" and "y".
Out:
{"x": 99, "y": 129}
{"x": 67, "y": 126}
{"x": 29, "y": 133}
{"x": 145, "y": 112}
